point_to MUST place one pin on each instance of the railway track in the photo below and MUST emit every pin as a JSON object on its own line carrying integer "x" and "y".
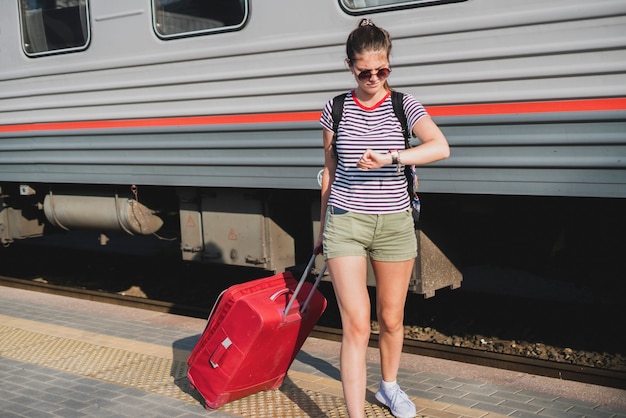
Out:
{"x": 592, "y": 375}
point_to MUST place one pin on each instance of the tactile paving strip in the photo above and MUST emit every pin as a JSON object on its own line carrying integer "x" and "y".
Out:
{"x": 291, "y": 401}
{"x": 163, "y": 376}
{"x": 142, "y": 371}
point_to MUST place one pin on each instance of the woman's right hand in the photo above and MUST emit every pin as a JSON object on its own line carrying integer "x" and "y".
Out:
{"x": 319, "y": 248}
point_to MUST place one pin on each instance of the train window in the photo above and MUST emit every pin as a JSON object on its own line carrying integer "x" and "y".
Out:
{"x": 368, "y": 6}
{"x": 51, "y": 26}
{"x": 177, "y": 18}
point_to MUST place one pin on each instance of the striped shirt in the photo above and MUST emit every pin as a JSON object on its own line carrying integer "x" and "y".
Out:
{"x": 373, "y": 191}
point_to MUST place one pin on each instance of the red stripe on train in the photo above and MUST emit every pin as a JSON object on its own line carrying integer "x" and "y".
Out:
{"x": 156, "y": 122}
{"x": 593, "y": 105}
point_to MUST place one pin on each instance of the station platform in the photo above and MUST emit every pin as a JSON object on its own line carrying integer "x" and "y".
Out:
{"x": 63, "y": 357}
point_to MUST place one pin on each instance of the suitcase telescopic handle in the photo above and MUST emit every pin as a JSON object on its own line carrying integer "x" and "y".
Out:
{"x": 301, "y": 282}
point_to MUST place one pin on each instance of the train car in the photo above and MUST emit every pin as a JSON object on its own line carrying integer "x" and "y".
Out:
{"x": 115, "y": 113}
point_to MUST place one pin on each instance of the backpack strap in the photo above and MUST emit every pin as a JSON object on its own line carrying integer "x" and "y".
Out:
{"x": 398, "y": 108}
{"x": 409, "y": 170}
{"x": 337, "y": 113}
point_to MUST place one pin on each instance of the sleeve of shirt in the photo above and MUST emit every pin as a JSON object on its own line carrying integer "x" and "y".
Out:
{"x": 326, "y": 120}
{"x": 413, "y": 109}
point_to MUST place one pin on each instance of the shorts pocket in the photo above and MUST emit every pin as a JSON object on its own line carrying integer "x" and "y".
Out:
{"x": 338, "y": 211}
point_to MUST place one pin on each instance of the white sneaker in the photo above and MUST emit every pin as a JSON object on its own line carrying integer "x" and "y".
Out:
{"x": 397, "y": 401}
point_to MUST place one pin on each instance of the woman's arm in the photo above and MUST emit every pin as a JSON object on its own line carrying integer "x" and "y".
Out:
{"x": 433, "y": 147}
{"x": 328, "y": 176}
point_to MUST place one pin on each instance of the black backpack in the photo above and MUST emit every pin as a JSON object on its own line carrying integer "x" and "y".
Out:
{"x": 409, "y": 170}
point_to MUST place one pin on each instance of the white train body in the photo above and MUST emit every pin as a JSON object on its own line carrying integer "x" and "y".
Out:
{"x": 530, "y": 94}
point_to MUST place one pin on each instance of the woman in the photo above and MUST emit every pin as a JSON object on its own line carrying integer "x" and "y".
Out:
{"x": 366, "y": 212}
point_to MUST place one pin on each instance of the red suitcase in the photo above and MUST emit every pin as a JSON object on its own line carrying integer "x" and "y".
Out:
{"x": 253, "y": 335}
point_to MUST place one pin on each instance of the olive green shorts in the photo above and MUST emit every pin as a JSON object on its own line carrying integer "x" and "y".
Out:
{"x": 386, "y": 237}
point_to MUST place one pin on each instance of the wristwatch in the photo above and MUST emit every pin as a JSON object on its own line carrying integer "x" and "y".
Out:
{"x": 394, "y": 156}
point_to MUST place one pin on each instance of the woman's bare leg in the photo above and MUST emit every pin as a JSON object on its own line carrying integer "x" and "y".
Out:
{"x": 392, "y": 281}
{"x": 350, "y": 284}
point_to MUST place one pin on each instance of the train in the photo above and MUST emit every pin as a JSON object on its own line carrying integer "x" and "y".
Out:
{"x": 132, "y": 116}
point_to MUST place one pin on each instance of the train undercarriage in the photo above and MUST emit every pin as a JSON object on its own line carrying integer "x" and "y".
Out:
{"x": 271, "y": 230}
{"x": 575, "y": 240}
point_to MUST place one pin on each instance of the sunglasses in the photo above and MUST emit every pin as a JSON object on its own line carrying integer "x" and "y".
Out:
{"x": 367, "y": 74}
